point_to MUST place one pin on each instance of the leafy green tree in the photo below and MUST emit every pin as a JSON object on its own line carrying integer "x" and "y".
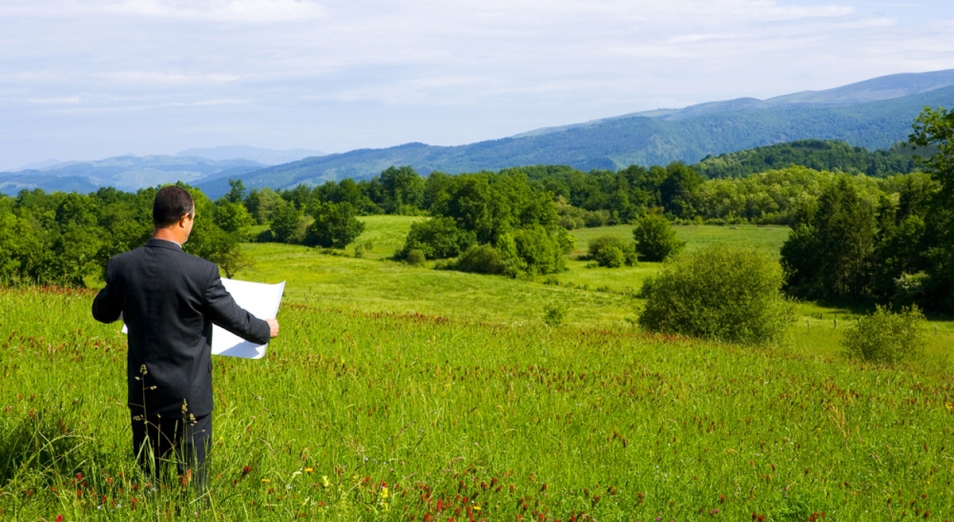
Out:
{"x": 233, "y": 219}
{"x": 335, "y": 226}
{"x": 655, "y": 238}
{"x": 437, "y": 238}
{"x": 723, "y": 292}
{"x": 398, "y": 190}
{"x": 286, "y": 224}
{"x": 677, "y": 188}
{"x": 236, "y": 193}
{"x": 262, "y": 204}
{"x": 934, "y": 129}
{"x": 830, "y": 254}
{"x": 539, "y": 251}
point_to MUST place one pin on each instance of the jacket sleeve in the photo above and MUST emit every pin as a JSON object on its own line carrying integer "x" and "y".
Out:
{"x": 226, "y": 313}
{"x": 108, "y": 303}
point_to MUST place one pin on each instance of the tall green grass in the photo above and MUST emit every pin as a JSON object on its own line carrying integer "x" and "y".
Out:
{"x": 402, "y": 393}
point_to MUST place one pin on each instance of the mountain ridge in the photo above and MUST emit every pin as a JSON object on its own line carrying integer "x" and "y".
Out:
{"x": 875, "y": 114}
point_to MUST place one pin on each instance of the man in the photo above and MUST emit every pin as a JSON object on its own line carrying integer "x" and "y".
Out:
{"x": 169, "y": 301}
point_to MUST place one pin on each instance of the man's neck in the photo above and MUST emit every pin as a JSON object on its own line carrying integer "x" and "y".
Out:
{"x": 166, "y": 234}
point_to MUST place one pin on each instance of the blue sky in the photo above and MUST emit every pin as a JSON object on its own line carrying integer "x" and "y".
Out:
{"x": 88, "y": 79}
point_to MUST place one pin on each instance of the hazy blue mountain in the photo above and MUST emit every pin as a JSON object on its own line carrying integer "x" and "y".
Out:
{"x": 258, "y": 155}
{"x": 874, "y": 114}
{"x": 128, "y": 173}
{"x": 619, "y": 142}
{"x": 875, "y": 89}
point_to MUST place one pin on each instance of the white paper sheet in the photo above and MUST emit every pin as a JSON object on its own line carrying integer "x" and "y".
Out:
{"x": 262, "y": 301}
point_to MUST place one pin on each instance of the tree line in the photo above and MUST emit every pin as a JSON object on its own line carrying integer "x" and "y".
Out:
{"x": 854, "y": 237}
{"x": 64, "y": 238}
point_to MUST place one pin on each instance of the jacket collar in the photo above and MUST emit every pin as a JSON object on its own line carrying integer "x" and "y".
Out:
{"x": 162, "y": 243}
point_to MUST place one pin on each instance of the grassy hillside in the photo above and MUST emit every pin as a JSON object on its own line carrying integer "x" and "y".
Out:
{"x": 401, "y": 393}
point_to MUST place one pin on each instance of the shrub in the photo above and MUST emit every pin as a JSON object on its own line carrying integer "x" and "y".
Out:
{"x": 723, "y": 292}
{"x": 415, "y": 257}
{"x": 886, "y": 337}
{"x": 610, "y": 256}
{"x": 534, "y": 250}
{"x": 482, "y": 259}
{"x": 655, "y": 238}
{"x": 554, "y": 314}
{"x": 611, "y": 251}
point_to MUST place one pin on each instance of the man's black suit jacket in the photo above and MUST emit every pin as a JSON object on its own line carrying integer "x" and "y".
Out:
{"x": 169, "y": 300}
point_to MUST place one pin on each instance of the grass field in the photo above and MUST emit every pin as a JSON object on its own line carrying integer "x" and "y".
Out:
{"x": 404, "y": 393}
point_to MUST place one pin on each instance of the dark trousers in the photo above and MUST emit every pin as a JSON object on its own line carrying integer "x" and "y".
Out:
{"x": 159, "y": 440}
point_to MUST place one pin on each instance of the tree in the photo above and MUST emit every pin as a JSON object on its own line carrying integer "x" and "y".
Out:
{"x": 286, "y": 222}
{"x": 830, "y": 252}
{"x": 335, "y": 226}
{"x": 723, "y": 292}
{"x": 400, "y": 190}
{"x": 935, "y": 128}
{"x": 236, "y": 192}
{"x": 262, "y": 204}
{"x": 655, "y": 238}
{"x": 437, "y": 238}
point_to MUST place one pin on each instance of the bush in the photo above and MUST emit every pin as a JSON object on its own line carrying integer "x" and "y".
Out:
{"x": 554, "y": 314}
{"x": 886, "y": 337}
{"x": 415, "y": 257}
{"x": 655, "y": 238}
{"x": 482, "y": 259}
{"x": 534, "y": 250}
{"x": 723, "y": 292}
{"x": 610, "y": 257}
{"x": 612, "y": 252}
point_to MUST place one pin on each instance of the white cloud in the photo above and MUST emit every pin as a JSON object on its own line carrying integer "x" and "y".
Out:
{"x": 318, "y": 66}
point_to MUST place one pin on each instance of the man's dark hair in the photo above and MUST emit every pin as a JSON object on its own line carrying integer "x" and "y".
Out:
{"x": 171, "y": 203}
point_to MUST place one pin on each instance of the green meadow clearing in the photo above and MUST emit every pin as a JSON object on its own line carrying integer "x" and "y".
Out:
{"x": 408, "y": 393}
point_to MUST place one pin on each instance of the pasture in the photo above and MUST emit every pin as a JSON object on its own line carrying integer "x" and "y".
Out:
{"x": 405, "y": 393}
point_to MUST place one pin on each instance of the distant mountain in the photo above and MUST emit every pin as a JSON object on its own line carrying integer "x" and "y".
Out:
{"x": 615, "y": 143}
{"x": 876, "y": 89}
{"x": 874, "y": 114}
{"x": 128, "y": 173}
{"x": 264, "y": 156}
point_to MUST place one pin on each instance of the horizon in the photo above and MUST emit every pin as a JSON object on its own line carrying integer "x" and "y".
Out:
{"x": 151, "y": 77}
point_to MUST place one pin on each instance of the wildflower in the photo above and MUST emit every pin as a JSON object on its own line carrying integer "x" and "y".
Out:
{"x": 325, "y": 483}
{"x": 309, "y": 470}
{"x": 265, "y": 481}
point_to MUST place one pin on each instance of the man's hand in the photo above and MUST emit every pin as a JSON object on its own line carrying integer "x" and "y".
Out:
{"x": 272, "y": 327}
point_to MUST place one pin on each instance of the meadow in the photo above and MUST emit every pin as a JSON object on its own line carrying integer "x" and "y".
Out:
{"x": 408, "y": 393}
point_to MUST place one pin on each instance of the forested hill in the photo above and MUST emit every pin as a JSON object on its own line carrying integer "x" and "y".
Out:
{"x": 617, "y": 143}
{"x": 835, "y": 156}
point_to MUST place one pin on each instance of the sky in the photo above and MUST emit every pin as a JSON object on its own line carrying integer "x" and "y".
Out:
{"x": 90, "y": 79}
